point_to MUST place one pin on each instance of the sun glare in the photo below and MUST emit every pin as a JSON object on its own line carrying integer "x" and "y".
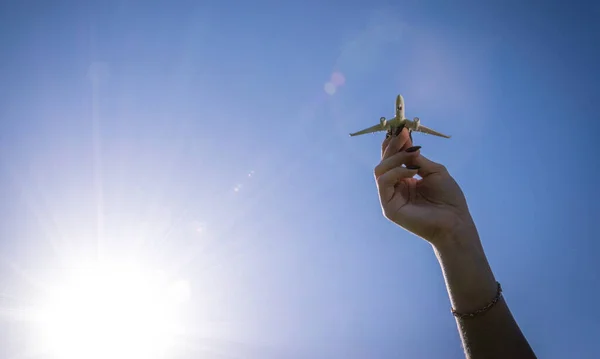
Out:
{"x": 112, "y": 311}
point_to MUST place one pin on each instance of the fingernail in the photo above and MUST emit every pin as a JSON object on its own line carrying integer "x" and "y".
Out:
{"x": 413, "y": 167}
{"x": 413, "y": 149}
{"x": 398, "y": 130}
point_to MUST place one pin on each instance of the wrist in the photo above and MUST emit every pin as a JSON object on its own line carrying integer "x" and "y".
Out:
{"x": 461, "y": 237}
{"x": 461, "y": 248}
{"x": 467, "y": 273}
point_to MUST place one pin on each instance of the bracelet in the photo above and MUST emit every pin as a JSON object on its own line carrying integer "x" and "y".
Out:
{"x": 481, "y": 310}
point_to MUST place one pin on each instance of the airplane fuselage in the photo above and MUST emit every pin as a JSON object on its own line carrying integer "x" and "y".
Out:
{"x": 399, "y": 120}
{"x": 395, "y": 122}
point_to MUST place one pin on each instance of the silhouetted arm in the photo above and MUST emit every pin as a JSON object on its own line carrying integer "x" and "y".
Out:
{"x": 435, "y": 209}
{"x": 471, "y": 286}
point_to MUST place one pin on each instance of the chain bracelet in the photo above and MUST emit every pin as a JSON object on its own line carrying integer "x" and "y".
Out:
{"x": 481, "y": 310}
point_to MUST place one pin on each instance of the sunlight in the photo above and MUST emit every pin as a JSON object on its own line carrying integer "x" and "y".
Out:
{"x": 112, "y": 311}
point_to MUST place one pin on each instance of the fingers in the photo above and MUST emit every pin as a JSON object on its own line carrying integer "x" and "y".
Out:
{"x": 389, "y": 172}
{"x": 427, "y": 166}
{"x": 397, "y": 160}
{"x": 385, "y": 143}
{"x": 395, "y": 143}
{"x": 388, "y": 180}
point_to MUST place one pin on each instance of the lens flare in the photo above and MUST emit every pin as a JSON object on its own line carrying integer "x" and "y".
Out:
{"x": 329, "y": 88}
{"x": 338, "y": 79}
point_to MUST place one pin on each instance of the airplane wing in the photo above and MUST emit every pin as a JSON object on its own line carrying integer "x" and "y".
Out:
{"x": 429, "y": 131}
{"x": 375, "y": 128}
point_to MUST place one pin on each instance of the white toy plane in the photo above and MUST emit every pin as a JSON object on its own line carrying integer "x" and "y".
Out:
{"x": 399, "y": 121}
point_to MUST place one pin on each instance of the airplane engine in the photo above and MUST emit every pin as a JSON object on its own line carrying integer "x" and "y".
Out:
{"x": 383, "y": 121}
{"x": 417, "y": 123}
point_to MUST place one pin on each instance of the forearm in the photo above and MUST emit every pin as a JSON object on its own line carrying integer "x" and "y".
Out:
{"x": 471, "y": 285}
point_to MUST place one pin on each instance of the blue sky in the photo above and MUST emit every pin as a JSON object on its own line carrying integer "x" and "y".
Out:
{"x": 198, "y": 137}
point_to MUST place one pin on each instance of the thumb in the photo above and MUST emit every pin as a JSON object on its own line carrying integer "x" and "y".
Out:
{"x": 427, "y": 166}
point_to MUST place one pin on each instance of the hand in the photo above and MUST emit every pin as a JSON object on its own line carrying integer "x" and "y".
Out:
{"x": 432, "y": 207}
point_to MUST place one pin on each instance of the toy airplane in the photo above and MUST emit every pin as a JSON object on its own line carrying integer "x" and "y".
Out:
{"x": 399, "y": 121}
